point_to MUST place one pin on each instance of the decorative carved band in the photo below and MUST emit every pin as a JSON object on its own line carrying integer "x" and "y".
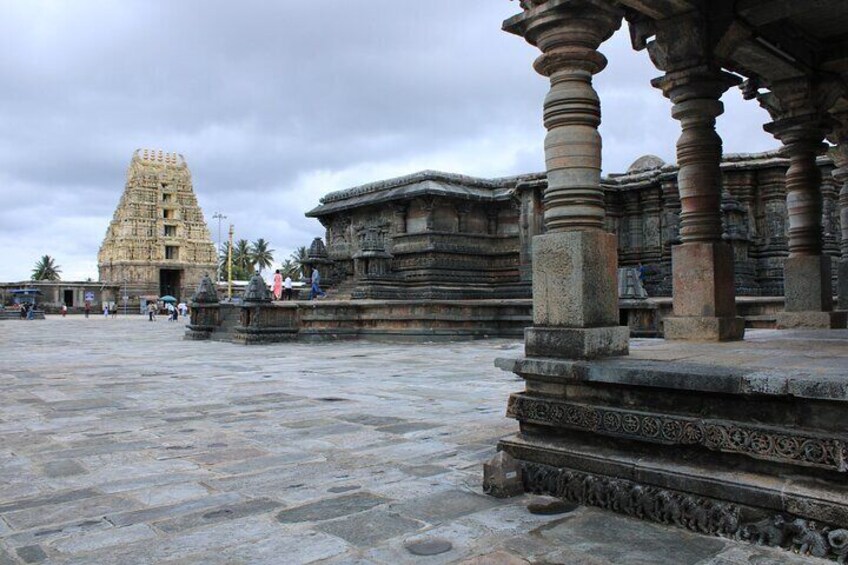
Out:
{"x": 717, "y": 435}
{"x": 695, "y": 513}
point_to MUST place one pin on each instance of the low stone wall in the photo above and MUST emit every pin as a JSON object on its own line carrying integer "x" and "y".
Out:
{"x": 420, "y": 320}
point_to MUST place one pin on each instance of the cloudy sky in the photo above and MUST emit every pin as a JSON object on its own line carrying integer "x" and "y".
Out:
{"x": 274, "y": 104}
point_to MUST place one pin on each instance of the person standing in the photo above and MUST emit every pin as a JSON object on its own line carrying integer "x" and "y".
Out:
{"x": 151, "y": 311}
{"x": 288, "y": 286}
{"x": 87, "y": 308}
{"x": 105, "y": 309}
{"x": 64, "y": 309}
{"x": 316, "y": 291}
{"x": 278, "y": 285}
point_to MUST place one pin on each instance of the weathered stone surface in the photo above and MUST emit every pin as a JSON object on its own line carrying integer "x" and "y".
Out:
{"x": 842, "y": 288}
{"x": 704, "y": 328}
{"x": 576, "y": 343}
{"x": 31, "y": 554}
{"x": 703, "y": 280}
{"x": 574, "y": 280}
{"x": 807, "y": 284}
{"x": 425, "y": 547}
{"x": 369, "y": 528}
{"x": 502, "y": 476}
{"x": 812, "y": 320}
{"x": 443, "y": 506}
{"x": 218, "y": 514}
{"x": 331, "y": 508}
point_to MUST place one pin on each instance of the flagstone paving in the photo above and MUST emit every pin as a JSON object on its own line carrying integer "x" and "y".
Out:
{"x": 122, "y": 443}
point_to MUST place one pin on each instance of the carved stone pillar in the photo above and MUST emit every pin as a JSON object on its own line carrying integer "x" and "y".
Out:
{"x": 492, "y": 221}
{"x": 801, "y": 126}
{"x": 702, "y": 265}
{"x": 840, "y": 174}
{"x": 428, "y": 204}
{"x": 575, "y": 297}
{"x": 462, "y": 211}
{"x": 399, "y": 210}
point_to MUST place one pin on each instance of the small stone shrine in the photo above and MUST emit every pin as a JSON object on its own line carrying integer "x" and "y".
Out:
{"x": 157, "y": 242}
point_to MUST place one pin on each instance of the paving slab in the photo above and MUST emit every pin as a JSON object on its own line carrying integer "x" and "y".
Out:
{"x": 340, "y": 452}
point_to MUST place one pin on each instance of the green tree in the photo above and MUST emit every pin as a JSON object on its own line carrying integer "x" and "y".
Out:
{"x": 240, "y": 271}
{"x": 289, "y": 268}
{"x": 299, "y": 257}
{"x": 260, "y": 255}
{"x": 46, "y": 269}
{"x": 242, "y": 260}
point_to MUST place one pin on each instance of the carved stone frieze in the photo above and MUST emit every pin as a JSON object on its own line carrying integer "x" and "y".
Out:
{"x": 784, "y": 446}
{"x": 689, "y": 511}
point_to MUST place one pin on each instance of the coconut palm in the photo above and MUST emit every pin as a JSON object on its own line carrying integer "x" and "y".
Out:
{"x": 240, "y": 272}
{"x": 46, "y": 269}
{"x": 260, "y": 255}
{"x": 299, "y": 257}
{"x": 289, "y": 268}
{"x": 242, "y": 258}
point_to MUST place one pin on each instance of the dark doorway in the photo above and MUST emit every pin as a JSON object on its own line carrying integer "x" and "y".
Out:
{"x": 69, "y": 298}
{"x": 169, "y": 282}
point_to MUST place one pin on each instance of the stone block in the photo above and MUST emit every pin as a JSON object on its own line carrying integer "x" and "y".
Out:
{"x": 842, "y": 285}
{"x": 704, "y": 328}
{"x": 812, "y": 320}
{"x": 575, "y": 279}
{"x": 807, "y": 284}
{"x": 576, "y": 343}
{"x": 703, "y": 280}
{"x": 502, "y": 476}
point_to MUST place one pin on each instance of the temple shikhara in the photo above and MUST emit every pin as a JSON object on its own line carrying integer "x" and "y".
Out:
{"x": 157, "y": 243}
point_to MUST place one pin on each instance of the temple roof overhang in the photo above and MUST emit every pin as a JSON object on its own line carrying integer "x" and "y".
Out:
{"x": 417, "y": 185}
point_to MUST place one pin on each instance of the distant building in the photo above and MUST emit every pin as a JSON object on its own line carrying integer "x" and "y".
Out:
{"x": 53, "y": 294}
{"x": 433, "y": 235}
{"x": 158, "y": 242}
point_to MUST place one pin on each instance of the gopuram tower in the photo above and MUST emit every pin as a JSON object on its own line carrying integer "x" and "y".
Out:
{"x": 157, "y": 243}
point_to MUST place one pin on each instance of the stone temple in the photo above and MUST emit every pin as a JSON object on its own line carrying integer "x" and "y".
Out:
{"x": 158, "y": 242}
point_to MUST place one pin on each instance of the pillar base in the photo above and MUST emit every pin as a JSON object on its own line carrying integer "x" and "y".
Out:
{"x": 731, "y": 328}
{"x": 576, "y": 343}
{"x": 807, "y": 284}
{"x": 842, "y": 284}
{"x": 812, "y": 320}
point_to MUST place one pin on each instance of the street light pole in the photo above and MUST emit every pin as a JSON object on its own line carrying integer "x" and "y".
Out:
{"x": 218, "y": 216}
{"x": 230, "y": 267}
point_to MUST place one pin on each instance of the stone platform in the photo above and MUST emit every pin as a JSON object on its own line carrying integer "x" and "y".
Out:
{"x": 122, "y": 443}
{"x": 745, "y": 440}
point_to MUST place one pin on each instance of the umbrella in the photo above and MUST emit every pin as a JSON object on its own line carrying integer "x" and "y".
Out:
{"x": 168, "y": 298}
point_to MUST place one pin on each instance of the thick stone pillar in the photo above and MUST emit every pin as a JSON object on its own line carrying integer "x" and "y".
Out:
{"x": 702, "y": 265}
{"x": 800, "y": 126}
{"x": 575, "y": 297}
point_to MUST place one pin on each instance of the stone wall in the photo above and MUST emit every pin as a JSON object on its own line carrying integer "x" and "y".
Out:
{"x": 436, "y": 235}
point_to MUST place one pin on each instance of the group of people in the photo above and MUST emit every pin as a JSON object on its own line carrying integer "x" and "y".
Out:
{"x": 27, "y": 311}
{"x": 281, "y": 284}
{"x": 173, "y": 312}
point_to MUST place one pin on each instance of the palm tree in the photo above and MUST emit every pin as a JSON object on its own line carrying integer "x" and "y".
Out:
{"x": 46, "y": 269}
{"x": 289, "y": 268}
{"x": 240, "y": 271}
{"x": 260, "y": 255}
{"x": 242, "y": 260}
{"x": 299, "y": 257}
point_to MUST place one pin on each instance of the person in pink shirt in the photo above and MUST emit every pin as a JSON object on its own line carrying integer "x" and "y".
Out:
{"x": 278, "y": 285}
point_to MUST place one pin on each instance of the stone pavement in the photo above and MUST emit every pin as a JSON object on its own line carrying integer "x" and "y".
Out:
{"x": 122, "y": 443}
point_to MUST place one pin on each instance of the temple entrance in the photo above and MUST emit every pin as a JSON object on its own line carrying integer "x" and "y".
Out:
{"x": 169, "y": 282}
{"x": 68, "y": 298}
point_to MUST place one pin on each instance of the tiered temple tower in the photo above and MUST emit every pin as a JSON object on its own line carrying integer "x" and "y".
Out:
{"x": 158, "y": 242}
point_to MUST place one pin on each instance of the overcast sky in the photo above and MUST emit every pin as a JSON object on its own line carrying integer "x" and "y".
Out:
{"x": 274, "y": 104}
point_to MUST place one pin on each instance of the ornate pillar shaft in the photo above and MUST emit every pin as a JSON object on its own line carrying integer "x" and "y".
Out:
{"x": 575, "y": 296}
{"x": 702, "y": 265}
{"x": 399, "y": 212}
{"x": 801, "y": 124}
